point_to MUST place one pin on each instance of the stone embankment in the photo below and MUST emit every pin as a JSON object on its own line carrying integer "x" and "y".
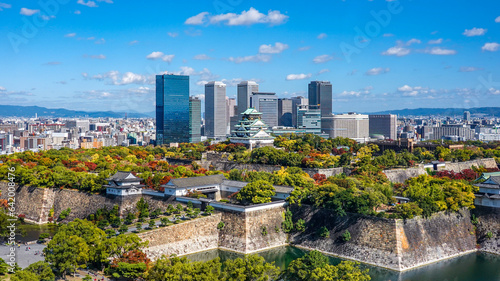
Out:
{"x": 488, "y": 229}
{"x": 394, "y": 244}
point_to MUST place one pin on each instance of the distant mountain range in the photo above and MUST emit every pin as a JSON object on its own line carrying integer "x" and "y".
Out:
{"x": 30, "y": 111}
{"x": 490, "y": 111}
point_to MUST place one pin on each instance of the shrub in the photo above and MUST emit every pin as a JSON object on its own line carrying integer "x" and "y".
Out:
{"x": 346, "y": 236}
{"x": 123, "y": 229}
{"x": 300, "y": 225}
{"x": 138, "y": 226}
{"x": 264, "y": 231}
{"x": 220, "y": 225}
{"x": 152, "y": 224}
{"x": 489, "y": 235}
{"x": 209, "y": 210}
{"x": 287, "y": 225}
{"x": 323, "y": 232}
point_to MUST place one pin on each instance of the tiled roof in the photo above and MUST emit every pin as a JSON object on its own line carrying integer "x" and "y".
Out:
{"x": 197, "y": 181}
{"x": 122, "y": 176}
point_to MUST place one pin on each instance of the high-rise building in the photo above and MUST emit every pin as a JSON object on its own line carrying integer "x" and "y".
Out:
{"x": 352, "y": 125}
{"x": 285, "y": 112}
{"x": 172, "y": 108}
{"x": 194, "y": 120}
{"x": 309, "y": 119}
{"x": 296, "y": 102}
{"x": 230, "y": 111}
{"x": 383, "y": 125}
{"x": 267, "y": 104}
{"x": 215, "y": 110}
{"x": 466, "y": 116}
{"x": 320, "y": 93}
{"x": 245, "y": 90}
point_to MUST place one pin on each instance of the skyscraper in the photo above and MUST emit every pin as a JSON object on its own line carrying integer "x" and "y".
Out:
{"x": 320, "y": 93}
{"x": 194, "y": 120}
{"x": 352, "y": 125}
{"x": 215, "y": 110}
{"x": 267, "y": 104}
{"x": 384, "y": 124}
{"x": 245, "y": 90}
{"x": 230, "y": 111}
{"x": 309, "y": 119}
{"x": 285, "y": 112}
{"x": 172, "y": 108}
{"x": 466, "y": 116}
{"x": 296, "y": 102}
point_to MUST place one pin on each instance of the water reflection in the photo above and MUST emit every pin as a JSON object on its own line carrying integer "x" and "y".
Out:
{"x": 471, "y": 267}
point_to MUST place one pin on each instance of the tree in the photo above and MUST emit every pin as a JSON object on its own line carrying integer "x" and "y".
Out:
{"x": 300, "y": 225}
{"x": 42, "y": 270}
{"x": 209, "y": 210}
{"x": 345, "y": 271}
{"x": 346, "y": 236}
{"x": 408, "y": 210}
{"x": 176, "y": 268}
{"x": 301, "y": 269}
{"x": 252, "y": 267}
{"x": 123, "y": 229}
{"x": 152, "y": 224}
{"x": 143, "y": 208}
{"x": 323, "y": 232}
{"x": 287, "y": 224}
{"x": 67, "y": 253}
{"x": 24, "y": 275}
{"x": 138, "y": 226}
{"x": 4, "y": 267}
{"x": 130, "y": 266}
{"x": 256, "y": 192}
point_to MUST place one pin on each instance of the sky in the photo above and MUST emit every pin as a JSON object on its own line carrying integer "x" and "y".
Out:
{"x": 379, "y": 55}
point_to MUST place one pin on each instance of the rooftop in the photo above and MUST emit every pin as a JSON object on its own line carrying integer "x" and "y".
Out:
{"x": 197, "y": 181}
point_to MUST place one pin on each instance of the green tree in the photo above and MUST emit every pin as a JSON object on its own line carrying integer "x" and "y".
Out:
{"x": 287, "y": 224}
{"x": 152, "y": 224}
{"x": 24, "y": 275}
{"x": 300, "y": 225}
{"x": 143, "y": 208}
{"x": 256, "y": 192}
{"x": 249, "y": 268}
{"x": 42, "y": 270}
{"x": 209, "y": 210}
{"x": 408, "y": 210}
{"x": 345, "y": 271}
{"x": 4, "y": 267}
{"x": 301, "y": 269}
{"x": 323, "y": 232}
{"x": 67, "y": 253}
{"x": 176, "y": 268}
{"x": 346, "y": 236}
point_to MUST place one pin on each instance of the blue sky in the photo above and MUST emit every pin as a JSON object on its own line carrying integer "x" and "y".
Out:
{"x": 378, "y": 55}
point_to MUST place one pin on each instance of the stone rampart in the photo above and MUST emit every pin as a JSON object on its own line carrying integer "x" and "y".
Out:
{"x": 185, "y": 238}
{"x": 460, "y": 166}
{"x": 401, "y": 175}
{"x": 489, "y": 224}
{"x": 394, "y": 244}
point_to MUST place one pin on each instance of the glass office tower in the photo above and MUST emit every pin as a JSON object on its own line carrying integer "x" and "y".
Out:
{"x": 194, "y": 120}
{"x": 215, "y": 110}
{"x": 172, "y": 108}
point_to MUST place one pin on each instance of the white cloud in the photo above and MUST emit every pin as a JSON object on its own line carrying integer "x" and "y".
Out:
{"x": 388, "y": 35}
{"x": 254, "y": 58}
{"x": 114, "y": 77}
{"x": 298, "y": 76}
{"x": 377, "y": 71}
{"x": 98, "y": 57}
{"x": 197, "y": 20}
{"x": 28, "y": 12}
{"x": 413, "y": 41}
{"x": 133, "y": 42}
{"x": 437, "y": 41}
{"x": 351, "y": 93}
{"x": 173, "y": 34}
{"x": 322, "y": 58}
{"x": 323, "y": 71}
{"x": 396, "y": 51}
{"x": 305, "y": 48}
{"x": 202, "y": 57}
{"x": 475, "y": 32}
{"x": 322, "y": 35}
{"x": 496, "y": 20}
{"x": 270, "y": 49}
{"x": 2, "y": 88}
{"x": 468, "y": 69}
{"x": 70, "y": 35}
{"x": 492, "y": 47}
{"x": 100, "y": 41}
{"x": 494, "y": 91}
{"x": 77, "y": 12}
{"x": 89, "y": 3}
{"x": 405, "y": 88}
{"x": 250, "y": 17}
{"x": 160, "y": 55}
{"x": 440, "y": 51}
{"x": 4, "y": 6}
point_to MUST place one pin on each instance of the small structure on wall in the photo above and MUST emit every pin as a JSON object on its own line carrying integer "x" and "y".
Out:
{"x": 123, "y": 184}
{"x": 489, "y": 192}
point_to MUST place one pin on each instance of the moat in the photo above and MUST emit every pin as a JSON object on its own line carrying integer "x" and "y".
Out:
{"x": 471, "y": 267}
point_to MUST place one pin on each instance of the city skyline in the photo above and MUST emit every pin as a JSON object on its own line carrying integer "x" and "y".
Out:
{"x": 100, "y": 55}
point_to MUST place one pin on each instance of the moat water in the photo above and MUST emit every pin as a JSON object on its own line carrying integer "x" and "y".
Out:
{"x": 471, "y": 267}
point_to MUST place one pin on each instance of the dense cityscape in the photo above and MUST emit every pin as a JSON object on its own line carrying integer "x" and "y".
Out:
{"x": 263, "y": 141}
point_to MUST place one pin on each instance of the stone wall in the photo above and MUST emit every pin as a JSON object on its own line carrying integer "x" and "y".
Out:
{"x": 185, "y": 238}
{"x": 443, "y": 235}
{"x": 35, "y": 203}
{"x": 489, "y": 221}
{"x": 394, "y": 244}
{"x": 460, "y": 166}
{"x": 401, "y": 175}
